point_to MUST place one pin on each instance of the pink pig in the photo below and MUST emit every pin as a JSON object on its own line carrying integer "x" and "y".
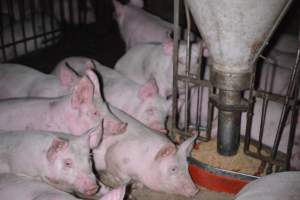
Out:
{"x": 283, "y": 185}
{"x": 139, "y": 26}
{"x": 22, "y": 81}
{"x": 140, "y": 101}
{"x": 151, "y": 159}
{"x": 61, "y": 160}
{"x": 155, "y": 60}
{"x": 18, "y": 187}
{"x": 74, "y": 113}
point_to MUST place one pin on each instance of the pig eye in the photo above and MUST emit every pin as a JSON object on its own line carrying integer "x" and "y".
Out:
{"x": 174, "y": 169}
{"x": 68, "y": 163}
{"x": 96, "y": 113}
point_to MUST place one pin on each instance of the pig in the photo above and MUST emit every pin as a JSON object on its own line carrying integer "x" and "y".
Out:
{"x": 140, "y": 101}
{"x": 151, "y": 159}
{"x": 15, "y": 34}
{"x": 138, "y": 26}
{"x": 22, "y": 81}
{"x": 283, "y": 185}
{"x": 73, "y": 113}
{"x": 156, "y": 60}
{"x": 14, "y": 187}
{"x": 61, "y": 160}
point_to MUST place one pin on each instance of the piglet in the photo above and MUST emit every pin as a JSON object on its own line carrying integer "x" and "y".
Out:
{"x": 61, "y": 160}
{"x": 284, "y": 185}
{"x": 156, "y": 60}
{"x": 151, "y": 159}
{"x": 18, "y": 187}
{"x": 140, "y": 101}
{"x": 137, "y": 26}
{"x": 74, "y": 113}
{"x": 22, "y": 81}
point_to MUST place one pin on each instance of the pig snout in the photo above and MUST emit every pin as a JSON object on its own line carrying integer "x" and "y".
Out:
{"x": 87, "y": 185}
{"x": 92, "y": 190}
{"x": 114, "y": 127}
{"x": 158, "y": 127}
{"x": 190, "y": 190}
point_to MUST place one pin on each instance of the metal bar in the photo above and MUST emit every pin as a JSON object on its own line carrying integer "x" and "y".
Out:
{"x": 2, "y": 35}
{"x": 187, "y": 70}
{"x": 33, "y": 18}
{"x": 262, "y": 123}
{"x": 12, "y": 28}
{"x": 292, "y": 130}
{"x": 51, "y": 7}
{"x": 62, "y": 11}
{"x": 22, "y": 18}
{"x": 205, "y": 83}
{"x": 250, "y": 111}
{"x": 175, "y": 65}
{"x": 70, "y": 9}
{"x": 44, "y": 27}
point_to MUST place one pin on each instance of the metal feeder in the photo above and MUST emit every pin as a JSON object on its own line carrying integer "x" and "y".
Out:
{"x": 235, "y": 32}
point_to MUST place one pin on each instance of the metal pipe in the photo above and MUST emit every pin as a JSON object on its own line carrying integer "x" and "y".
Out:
{"x": 175, "y": 65}
{"x": 229, "y": 124}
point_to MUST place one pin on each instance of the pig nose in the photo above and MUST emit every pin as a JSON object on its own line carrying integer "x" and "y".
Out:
{"x": 92, "y": 190}
{"x": 122, "y": 128}
{"x": 190, "y": 190}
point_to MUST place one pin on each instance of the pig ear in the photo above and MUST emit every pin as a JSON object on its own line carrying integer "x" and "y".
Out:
{"x": 94, "y": 78}
{"x": 165, "y": 151}
{"x": 148, "y": 90}
{"x": 115, "y": 194}
{"x": 119, "y": 8}
{"x": 137, "y": 3}
{"x": 89, "y": 65}
{"x": 58, "y": 144}
{"x": 186, "y": 147}
{"x": 168, "y": 47}
{"x": 83, "y": 93}
{"x": 67, "y": 77}
{"x": 94, "y": 135}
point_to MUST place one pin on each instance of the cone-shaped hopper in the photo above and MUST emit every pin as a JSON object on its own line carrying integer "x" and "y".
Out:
{"x": 234, "y": 31}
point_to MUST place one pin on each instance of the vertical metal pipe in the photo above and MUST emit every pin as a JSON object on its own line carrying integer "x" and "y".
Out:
{"x": 187, "y": 70}
{"x": 229, "y": 124}
{"x": 33, "y": 20}
{"x": 262, "y": 123}
{"x": 175, "y": 64}
{"x": 12, "y": 28}
{"x": 22, "y": 18}
{"x": 2, "y": 42}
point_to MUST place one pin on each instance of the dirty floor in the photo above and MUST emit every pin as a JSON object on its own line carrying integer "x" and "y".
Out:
{"x": 204, "y": 194}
